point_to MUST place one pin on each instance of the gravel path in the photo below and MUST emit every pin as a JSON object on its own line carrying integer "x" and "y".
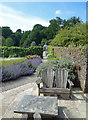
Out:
{"x": 5, "y": 59}
{"x": 18, "y": 82}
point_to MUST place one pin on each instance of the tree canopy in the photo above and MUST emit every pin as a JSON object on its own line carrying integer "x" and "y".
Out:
{"x": 60, "y": 32}
{"x": 9, "y": 42}
{"x": 6, "y": 32}
{"x": 71, "y": 35}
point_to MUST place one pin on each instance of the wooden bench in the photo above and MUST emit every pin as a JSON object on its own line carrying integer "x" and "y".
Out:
{"x": 55, "y": 82}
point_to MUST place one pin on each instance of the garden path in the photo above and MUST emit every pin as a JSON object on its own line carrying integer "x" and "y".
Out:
{"x": 14, "y": 91}
{"x": 18, "y": 82}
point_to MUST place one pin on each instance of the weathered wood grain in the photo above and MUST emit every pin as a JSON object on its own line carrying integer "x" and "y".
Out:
{"x": 55, "y": 90}
{"x": 55, "y": 82}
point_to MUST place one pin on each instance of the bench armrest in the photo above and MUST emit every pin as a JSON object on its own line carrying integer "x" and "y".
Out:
{"x": 38, "y": 84}
{"x": 38, "y": 81}
{"x": 70, "y": 83}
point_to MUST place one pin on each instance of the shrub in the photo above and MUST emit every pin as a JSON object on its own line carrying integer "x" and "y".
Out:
{"x": 72, "y": 44}
{"x": 40, "y": 68}
{"x": 77, "y": 34}
{"x": 55, "y": 64}
{"x": 43, "y": 42}
{"x": 33, "y": 43}
{"x": 50, "y": 64}
{"x": 69, "y": 66}
{"x": 52, "y": 58}
{"x": 50, "y": 55}
{"x": 50, "y": 50}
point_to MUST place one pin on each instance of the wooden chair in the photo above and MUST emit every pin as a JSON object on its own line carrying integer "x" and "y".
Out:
{"x": 55, "y": 83}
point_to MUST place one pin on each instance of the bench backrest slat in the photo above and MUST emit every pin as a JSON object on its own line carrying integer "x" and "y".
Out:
{"x": 56, "y": 78}
{"x": 61, "y": 76}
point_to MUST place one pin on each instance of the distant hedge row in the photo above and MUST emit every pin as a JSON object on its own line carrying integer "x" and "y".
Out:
{"x": 21, "y": 52}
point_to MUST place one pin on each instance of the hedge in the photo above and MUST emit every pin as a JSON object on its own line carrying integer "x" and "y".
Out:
{"x": 21, "y": 52}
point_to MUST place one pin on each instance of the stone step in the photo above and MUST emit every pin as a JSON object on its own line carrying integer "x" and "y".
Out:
{"x": 11, "y": 99}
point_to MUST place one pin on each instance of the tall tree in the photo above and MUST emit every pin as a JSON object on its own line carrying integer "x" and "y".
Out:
{"x": 73, "y": 21}
{"x": 55, "y": 25}
{"x": 33, "y": 43}
{"x": 6, "y": 32}
{"x": 3, "y": 41}
{"x": 38, "y": 27}
{"x": 24, "y": 37}
{"x": 17, "y": 38}
{"x": 9, "y": 42}
{"x": 35, "y": 35}
{"x": 76, "y": 35}
{"x": 19, "y": 30}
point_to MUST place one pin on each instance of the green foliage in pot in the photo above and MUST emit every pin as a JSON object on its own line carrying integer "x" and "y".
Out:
{"x": 55, "y": 64}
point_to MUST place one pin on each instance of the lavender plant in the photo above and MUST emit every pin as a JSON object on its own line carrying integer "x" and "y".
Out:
{"x": 17, "y": 69}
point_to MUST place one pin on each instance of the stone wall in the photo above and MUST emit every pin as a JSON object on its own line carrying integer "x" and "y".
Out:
{"x": 80, "y": 57}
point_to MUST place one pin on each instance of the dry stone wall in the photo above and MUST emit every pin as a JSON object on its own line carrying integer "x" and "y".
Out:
{"x": 80, "y": 57}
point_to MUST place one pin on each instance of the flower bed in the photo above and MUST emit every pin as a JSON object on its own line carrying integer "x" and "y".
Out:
{"x": 34, "y": 59}
{"x": 14, "y": 69}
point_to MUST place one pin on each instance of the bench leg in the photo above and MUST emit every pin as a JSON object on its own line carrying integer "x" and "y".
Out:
{"x": 38, "y": 89}
{"x": 37, "y": 116}
{"x": 70, "y": 96}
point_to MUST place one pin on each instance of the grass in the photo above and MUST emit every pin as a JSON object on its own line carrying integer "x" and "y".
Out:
{"x": 52, "y": 58}
{"x": 9, "y": 62}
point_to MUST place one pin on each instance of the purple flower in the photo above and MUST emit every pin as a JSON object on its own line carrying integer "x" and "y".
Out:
{"x": 22, "y": 68}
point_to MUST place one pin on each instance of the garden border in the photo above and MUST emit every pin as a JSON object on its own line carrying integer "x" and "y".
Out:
{"x": 79, "y": 55}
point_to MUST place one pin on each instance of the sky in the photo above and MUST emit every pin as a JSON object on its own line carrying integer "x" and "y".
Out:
{"x": 25, "y": 15}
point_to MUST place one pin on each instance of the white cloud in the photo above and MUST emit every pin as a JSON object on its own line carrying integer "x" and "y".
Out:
{"x": 58, "y": 12}
{"x": 17, "y": 19}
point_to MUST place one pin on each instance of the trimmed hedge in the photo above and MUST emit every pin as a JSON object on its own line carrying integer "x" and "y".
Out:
{"x": 21, "y": 52}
